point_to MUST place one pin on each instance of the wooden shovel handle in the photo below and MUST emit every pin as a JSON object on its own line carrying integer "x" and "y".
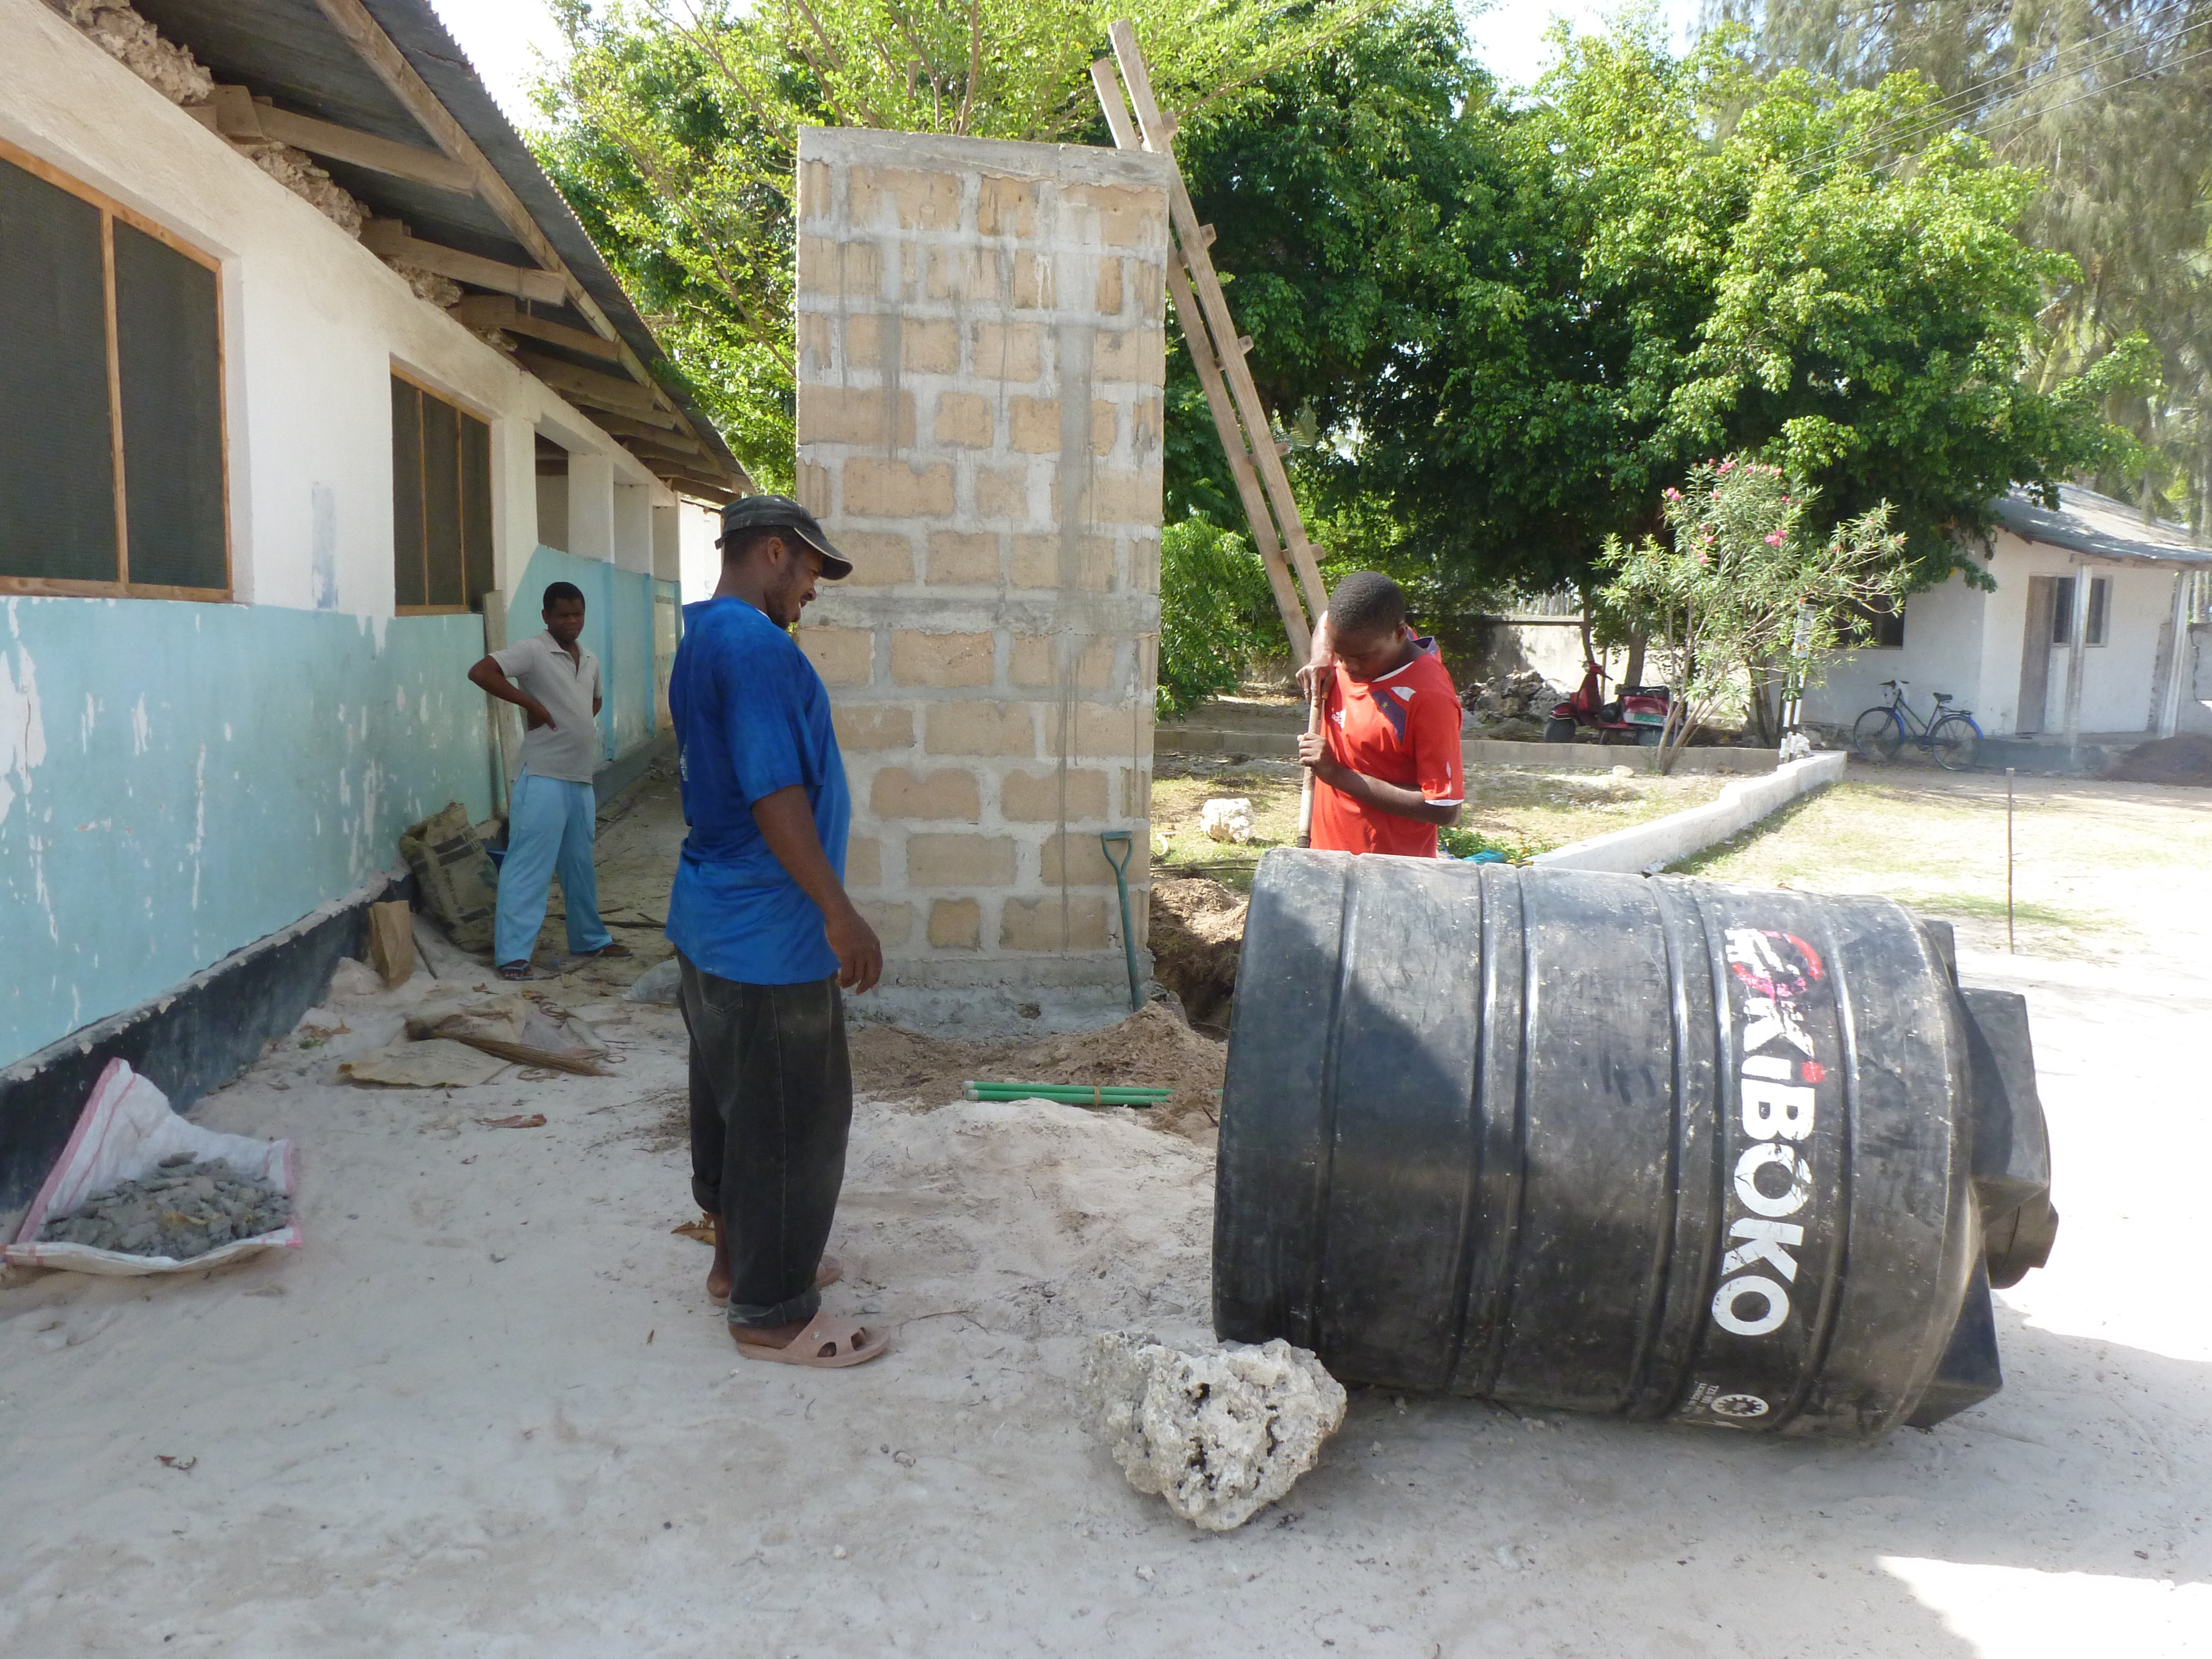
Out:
{"x": 1306, "y": 784}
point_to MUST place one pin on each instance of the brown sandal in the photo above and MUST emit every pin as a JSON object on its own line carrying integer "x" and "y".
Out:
{"x": 828, "y": 1343}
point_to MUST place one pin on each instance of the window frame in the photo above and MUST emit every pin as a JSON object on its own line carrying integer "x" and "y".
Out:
{"x": 110, "y": 210}
{"x": 407, "y": 377}
{"x": 1877, "y": 619}
{"x": 2097, "y": 626}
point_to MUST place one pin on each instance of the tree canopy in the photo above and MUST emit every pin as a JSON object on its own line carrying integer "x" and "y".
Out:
{"x": 1652, "y": 261}
{"x": 2109, "y": 104}
{"x": 1496, "y": 326}
{"x": 672, "y": 129}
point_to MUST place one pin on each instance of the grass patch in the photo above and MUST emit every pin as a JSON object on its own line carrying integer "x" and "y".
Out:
{"x": 1982, "y": 907}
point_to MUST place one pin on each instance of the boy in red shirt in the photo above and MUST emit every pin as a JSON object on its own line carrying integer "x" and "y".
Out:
{"x": 1387, "y": 767}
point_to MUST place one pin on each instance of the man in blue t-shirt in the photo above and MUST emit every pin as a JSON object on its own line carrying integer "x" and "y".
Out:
{"x": 766, "y": 938}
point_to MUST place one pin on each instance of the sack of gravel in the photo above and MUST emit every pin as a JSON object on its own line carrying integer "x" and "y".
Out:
{"x": 160, "y": 1193}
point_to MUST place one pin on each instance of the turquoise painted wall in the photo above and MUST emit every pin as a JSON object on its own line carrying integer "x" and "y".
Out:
{"x": 617, "y": 631}
{"x": 178, "y": 779}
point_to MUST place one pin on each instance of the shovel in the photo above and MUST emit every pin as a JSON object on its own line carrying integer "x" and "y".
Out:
{"x": 1108, "y": 840}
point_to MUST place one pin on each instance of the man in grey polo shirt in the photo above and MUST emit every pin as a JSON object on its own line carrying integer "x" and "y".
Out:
{"x": 551, "y": 813}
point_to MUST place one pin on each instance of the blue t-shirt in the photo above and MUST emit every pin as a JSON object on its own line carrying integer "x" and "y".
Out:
{"x": 751, "y": 718}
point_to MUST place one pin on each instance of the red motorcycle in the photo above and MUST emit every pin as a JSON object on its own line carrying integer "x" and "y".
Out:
{"x": 1640, "y": 711}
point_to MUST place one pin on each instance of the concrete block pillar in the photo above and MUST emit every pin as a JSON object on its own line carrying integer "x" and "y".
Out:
{"x": 982, "y": 358}
{"x": 590, "y": 506}
{"x": 668, "y": 543}
{"x": 633, "y": 527}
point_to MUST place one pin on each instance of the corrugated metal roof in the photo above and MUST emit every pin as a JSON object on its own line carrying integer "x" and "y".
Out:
{"x": 288, "y": 52}
{"x": 2085, "y": 522}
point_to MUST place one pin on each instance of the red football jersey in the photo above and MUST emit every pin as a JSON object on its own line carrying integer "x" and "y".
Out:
{"x": 1403, "y": 729}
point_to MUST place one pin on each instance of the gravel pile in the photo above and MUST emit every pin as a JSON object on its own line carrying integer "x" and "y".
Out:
{"x": 182, "y": 1210}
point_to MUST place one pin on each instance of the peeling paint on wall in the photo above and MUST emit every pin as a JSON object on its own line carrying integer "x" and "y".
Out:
{"x": 22, "y": 727}
{"x": 323, "y": 543}
{"x": 154, "y": 849}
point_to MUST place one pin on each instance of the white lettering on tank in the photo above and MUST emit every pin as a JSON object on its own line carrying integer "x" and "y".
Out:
{"x": 1771, "y": 1018}
{"x": 1767, "y": 1239}
{"x": 1757, "y": 1157}
{"x": 1774, "y": 974}
{"x": 1776, "y": 1311}
{"x": 1776, "y": 1111}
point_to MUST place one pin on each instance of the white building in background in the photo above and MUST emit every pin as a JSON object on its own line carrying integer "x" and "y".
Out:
{"x": 2096, "y": 629}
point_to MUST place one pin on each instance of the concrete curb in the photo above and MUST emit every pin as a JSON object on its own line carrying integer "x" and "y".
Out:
{"x": 1474, "y": 752}
{"x": 1665, "y": 841}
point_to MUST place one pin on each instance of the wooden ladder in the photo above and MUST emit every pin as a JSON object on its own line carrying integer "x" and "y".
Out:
{"x": 1239, "y": 417}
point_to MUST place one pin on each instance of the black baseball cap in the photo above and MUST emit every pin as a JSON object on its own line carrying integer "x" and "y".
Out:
{"x": 781, "y": 512}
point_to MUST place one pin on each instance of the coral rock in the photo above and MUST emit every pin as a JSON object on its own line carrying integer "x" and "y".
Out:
{"x": 1227, "y": 820}
{"x": 1221, "y": 1433}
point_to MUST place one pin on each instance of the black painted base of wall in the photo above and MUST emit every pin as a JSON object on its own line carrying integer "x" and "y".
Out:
{"x": 188, "y": 1041}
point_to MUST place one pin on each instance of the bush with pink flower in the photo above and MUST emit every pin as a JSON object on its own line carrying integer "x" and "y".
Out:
{"x": 1738, "y": 591}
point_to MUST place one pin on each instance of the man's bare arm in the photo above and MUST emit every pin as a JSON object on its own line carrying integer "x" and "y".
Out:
{"x": 786, "y": 824}
{"x": 1394, "y": 799}
{"x": 488, "y": 676}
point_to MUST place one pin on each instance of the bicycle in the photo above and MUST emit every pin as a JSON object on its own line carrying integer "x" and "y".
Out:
{"x": 1950, "y": 736}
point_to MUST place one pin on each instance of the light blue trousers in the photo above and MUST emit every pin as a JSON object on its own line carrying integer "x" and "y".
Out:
{"x": 549, "y": 829}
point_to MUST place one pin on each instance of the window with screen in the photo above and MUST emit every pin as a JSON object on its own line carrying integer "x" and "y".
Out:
{"x": 111, "y": 398}
{"x": 2062, "y": 611}
{"x": 441, "y": 503}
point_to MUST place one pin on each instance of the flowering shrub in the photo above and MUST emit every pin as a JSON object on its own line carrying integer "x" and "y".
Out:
{"x": 1739, "y": 584}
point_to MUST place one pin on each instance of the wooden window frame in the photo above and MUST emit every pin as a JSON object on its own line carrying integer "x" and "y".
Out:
{"x": 2097, "y": 624}
{"x": 464, "y": 609}
{"x": 110, "y": 210}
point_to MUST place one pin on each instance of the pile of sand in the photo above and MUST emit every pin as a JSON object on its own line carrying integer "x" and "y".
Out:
{"x": 2183, "y": 759}
{"x": 1151, "y": 1047}
{"x": 1196, "y": 935}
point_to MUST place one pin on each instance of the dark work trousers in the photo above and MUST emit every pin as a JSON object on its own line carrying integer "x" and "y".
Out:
{"x": 771, "y": 1104}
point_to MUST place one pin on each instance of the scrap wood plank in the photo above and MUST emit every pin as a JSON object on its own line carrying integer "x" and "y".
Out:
{"x": 1159, "y": 137}
{"x": 1249, "y": 491}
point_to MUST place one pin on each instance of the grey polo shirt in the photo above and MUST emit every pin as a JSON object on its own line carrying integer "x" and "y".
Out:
{"x": 569, "y": 748}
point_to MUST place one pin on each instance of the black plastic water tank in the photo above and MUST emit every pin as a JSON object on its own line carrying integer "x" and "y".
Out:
{"x": 1654, "y": 1148}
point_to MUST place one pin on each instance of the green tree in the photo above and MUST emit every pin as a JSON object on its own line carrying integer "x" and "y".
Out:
{"x": 1217, "y": 613}
{"x": 1680, "y": 260}
{"x": 2109, "y": 102}
{"x": 672, "y": 131}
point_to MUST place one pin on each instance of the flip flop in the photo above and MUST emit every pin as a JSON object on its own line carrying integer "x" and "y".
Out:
{"x": 517, "y": 970}
{"x": 828, "y": 1343}
{"x": 611, "y": 950}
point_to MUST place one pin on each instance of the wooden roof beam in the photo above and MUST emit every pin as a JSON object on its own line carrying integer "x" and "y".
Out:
{"x": 238, "y": 114}
{"x": 391, "y": 240}
{"x": 487, "y": 311}
{"x": 382, "y": 55}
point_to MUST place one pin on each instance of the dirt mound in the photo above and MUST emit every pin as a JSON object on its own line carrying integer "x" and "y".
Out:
{"x": 1197, "y": 930}
{"x": 2184, "y": 759}
{"x": 1151, "y": 1047}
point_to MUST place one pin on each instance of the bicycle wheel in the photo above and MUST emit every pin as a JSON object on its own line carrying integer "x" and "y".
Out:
{"x": 1877, "y": 736}
{"x": 1954, "y": 743}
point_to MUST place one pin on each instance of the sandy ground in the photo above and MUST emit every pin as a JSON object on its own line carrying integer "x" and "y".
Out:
{"x": 488, "y": 1410}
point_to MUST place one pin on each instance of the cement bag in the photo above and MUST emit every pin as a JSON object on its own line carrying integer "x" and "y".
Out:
{"x": 455, "y": 873}
{"x": 126, "y": 1131}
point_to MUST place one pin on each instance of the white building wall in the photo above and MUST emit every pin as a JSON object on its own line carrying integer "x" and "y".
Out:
{"x": 1943, "y": 651}
{"x": 1969, "y": 643}
{"x": 314, "y": 325}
